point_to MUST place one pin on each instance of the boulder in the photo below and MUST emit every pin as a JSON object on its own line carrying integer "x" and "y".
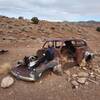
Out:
{"x": 7, "y": 82}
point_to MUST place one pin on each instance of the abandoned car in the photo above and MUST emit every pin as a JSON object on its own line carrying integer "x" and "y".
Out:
{"x": 50, "y": 55}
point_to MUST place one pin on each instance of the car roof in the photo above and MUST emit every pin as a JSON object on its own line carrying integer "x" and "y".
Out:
{"x": 63, "y": 39}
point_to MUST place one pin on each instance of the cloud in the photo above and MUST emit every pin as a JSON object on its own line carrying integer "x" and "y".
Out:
{"x": 52, "y": 9}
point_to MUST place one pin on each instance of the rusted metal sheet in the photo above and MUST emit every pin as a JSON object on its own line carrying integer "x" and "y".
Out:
{"x": 79, "y": 55}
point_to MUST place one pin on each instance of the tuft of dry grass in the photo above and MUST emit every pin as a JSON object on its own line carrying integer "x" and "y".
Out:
{"x": 5, "y": 68}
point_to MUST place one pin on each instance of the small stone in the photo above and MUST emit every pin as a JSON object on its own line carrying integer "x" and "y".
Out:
{"x": 98, "y": 70}
{"x": 81, "y": 80}
{"x": 83, "y": 74}
{"x": 74, "y": 75}
{"x": 67, "y": 72}
{"x": 86, "y": 83}
{"x": 74, "y": 87}
{"x": 20, "y": 62}
{"x": 7, "y": 82}
{"x": 83, "y": 63}
{"x": 68, "y": 79}
{"x": 92, "y": 75}
{"x": 60, "y": 86}
{"x": 11, "y": 38}
{"x": 58, "y": 69}
{"x": 28, "y": 46}
{"x": 75, "y": 83}
{"x": 84, "y": 68}
{"x": 40, "y": 82}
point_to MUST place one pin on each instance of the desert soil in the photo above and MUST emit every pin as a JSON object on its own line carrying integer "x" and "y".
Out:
{"x": 22, "y": 38}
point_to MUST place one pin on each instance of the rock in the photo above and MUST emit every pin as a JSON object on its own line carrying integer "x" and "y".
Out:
{"x": 41, "y": 82}
{"x": 68, "y": 75}
{"x": 39, "y": 40}
{"x": 7, "y": 82}
{"x": 76, "y": 87}
{"x": 68, "y": 72}
{"x": 11, "y": 38}
{"x": 20, "y": 62}
{"x": 28, "y": 46}
{"x": 98, "y": 70}
{"x": 74, "y": 75}
{"x": 75, "y": 83}
{"x": 58, "y": 69}
{"x": 84, "y": 68}
{"x": 83, "y": 63}
{"x": 60, "y": 86}
{"x": 83, "y": 74}
{"x": 86, "y": 83}
{"x": 92, "y": 75}
{"x": 81, "y": 80}
{"x": 23, "y": 39}
{"x": 68, "y": 79}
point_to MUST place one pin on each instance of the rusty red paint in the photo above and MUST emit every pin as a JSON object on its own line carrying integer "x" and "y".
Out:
{"x": 79, "y": 44}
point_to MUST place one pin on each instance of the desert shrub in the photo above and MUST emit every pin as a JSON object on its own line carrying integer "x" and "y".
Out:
{"x": 23, "y": 29}
{"x": 53, "y": 28}
{"x": 5, "y": 68}
{"x": 98, "y": 29}
{"x": 35, "y": 20}
{"x": 20, "y": 17}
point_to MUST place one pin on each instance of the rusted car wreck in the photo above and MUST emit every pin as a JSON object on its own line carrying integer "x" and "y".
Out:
{"x": 31, "y": 68}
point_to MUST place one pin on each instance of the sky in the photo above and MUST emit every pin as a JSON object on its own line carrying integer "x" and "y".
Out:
{"x": 52, "y": 10}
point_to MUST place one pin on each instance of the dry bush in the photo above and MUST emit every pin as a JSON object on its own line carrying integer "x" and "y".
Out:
{"x": 98, "y": 29}
{"x": 35, "y": 20}
{"x": 5, "y": 68}
{"x": 20, "y": 17}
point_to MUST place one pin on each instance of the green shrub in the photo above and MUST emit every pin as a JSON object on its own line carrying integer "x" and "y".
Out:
{"x": 98, "y": 29}
{"x": 20, "y": 17}
{"x": 35, "y": 20}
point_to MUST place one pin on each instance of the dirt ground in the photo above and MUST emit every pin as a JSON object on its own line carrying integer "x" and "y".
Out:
{"x": 23, "y": 42}
{"x": 51, "y": 87}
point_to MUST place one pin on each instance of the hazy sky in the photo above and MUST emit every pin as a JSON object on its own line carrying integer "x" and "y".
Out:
{"x": 71, "y": 10}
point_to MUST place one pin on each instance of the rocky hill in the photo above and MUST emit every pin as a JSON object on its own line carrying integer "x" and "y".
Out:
{"x": 12, "y": 29}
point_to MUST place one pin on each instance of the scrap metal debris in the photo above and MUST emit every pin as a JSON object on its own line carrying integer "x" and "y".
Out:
{"x": 3, "y": 51}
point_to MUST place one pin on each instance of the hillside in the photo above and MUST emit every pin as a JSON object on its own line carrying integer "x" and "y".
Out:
{"x": 23, "y": 31}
